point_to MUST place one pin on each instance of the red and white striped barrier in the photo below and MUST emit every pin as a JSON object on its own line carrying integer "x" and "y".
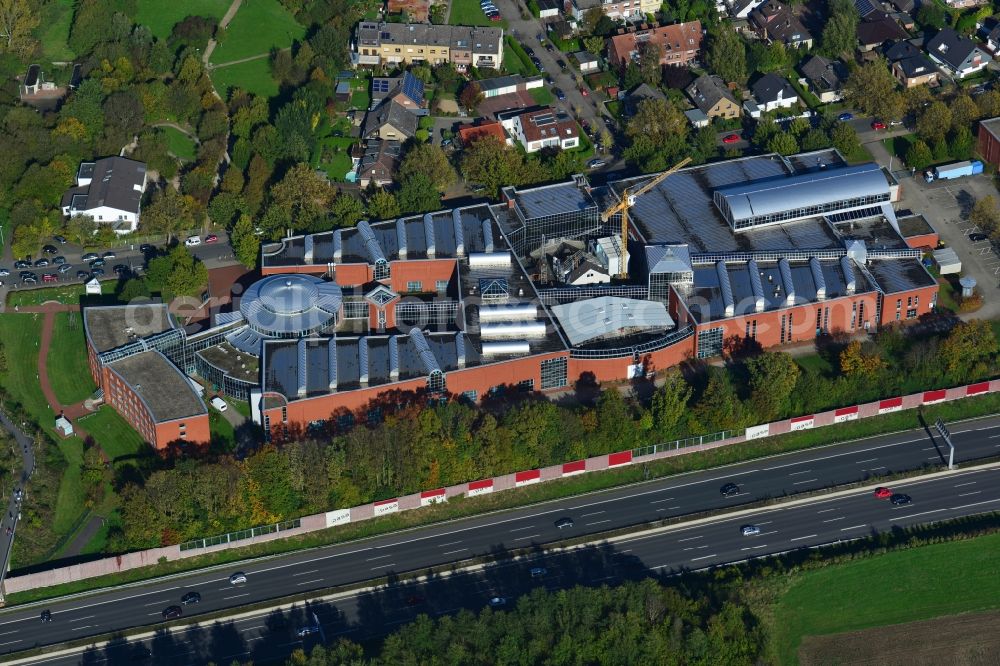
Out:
{"x": 432, "y": 497}
{"x": 890, "y": 405}
{"x": 385, "y": 507}
{"x": 576, "y": 467}
{"x": 527, "y": 478}
{"x": 802, "y": 422}
{"x": 479, "y": 488}
{"x": 845, "y": 414}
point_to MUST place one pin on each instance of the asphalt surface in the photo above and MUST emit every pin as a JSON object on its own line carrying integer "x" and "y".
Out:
{"x": 414, "y": 550}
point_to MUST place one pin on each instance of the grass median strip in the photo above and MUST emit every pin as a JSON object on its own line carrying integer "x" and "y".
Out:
{"x": 464, "y": 507}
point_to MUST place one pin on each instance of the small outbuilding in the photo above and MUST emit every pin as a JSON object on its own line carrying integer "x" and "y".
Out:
{"x": 947, "y": 260}
{"x": 63, "y": 426}
{"x": 93, "y": 287}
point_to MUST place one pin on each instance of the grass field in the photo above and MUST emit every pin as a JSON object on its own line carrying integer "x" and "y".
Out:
{"x": 69, "y": 501}
{"x": 20, "y": 334}
{"x": 902, "y": 586}
{"x": 253, "y": 76}
{"x": 67, "y": 293}
{"x": 160, "y": 17}
{"x": 542, "y": 96}
{"x": 221, "y": 430}
{"x": 179, "y": 143}
{"x": 69, "y": 370}
{"x": 258, "y": 27}
{"x": 337, "y": 162}
{"x": 468, "y": 12}
{"x": 113, "y": 433}
{"x": 54, "y": 31}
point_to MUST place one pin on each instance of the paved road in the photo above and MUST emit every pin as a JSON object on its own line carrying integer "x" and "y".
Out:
{"x": 8, "y": 521}
{"x": 818, "y": 521}
{"x": 530, "y": 527}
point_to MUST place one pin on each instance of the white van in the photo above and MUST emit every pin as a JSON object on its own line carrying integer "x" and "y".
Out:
{"x": 219, "y": 404}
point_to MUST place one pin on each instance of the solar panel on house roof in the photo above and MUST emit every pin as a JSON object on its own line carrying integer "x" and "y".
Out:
{"x": 380, "y": 85}
{"x": 413, "y": 88}
{"x": 544, "y": 119}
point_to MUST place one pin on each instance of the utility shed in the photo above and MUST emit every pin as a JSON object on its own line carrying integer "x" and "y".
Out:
{"x": 947, "y": 261}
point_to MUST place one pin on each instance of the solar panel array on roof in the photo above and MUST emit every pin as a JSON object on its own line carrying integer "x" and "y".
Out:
{"x": 380, "y": 85}
{"x": 413, "y": 88}
{"x": 543, "y": 119}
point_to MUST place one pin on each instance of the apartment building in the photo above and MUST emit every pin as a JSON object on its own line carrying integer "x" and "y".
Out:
{"x": 378, "y": 43}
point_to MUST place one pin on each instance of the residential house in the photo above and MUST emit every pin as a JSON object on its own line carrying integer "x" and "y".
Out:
{"x": 542, "y": 128}
{"x": 39, "y": 93}
{"x": 824, "y": 78}
{"x": 958, "y": 55}
{"x": 740, "y": 9}
{"x": 380, "y": 43}
{"x": 406, "y": 90}
{"x": 109, "y": 191}
{"x": 626, "y": 10}
{"x": 417, "y": 11}
{"x": 470, "y": 133}
{"x": 678, "y": 43}
{"x": 776, "y": 22}
{"x": 877, "y": 28}
{"x": 389, "y": 120}
{"x": 713, "y": 98}
{"x": 989, "y": 33}
{"x": 586, "y": 61}
{"x": 697, "y": 118}
{"x": 379, "y": 163}
{"x": 962, "y": 4}
{"x": 641, "y": 93}
{"x": 771, "y": 92}
{"x": 910, "y": 66}
{"x": 505, "y": 85}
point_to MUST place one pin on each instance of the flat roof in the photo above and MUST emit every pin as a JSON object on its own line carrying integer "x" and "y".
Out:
{"x": 607, "y": 316}
{"x": 896, "y": 275}
{"x": 234, "y": 362}
{"x": 162, "y": 387}
{"x": 565, "y": 197}
{"x": 110, "y": 327}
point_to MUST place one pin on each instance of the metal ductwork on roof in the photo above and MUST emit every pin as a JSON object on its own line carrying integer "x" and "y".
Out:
{"x": 515, "y": 312}
{"x": 847, "y": 265}
{"x": 786, "y": 278}
{"x": 338, "y": 245}
{"x": 374, "y": 250}
{"x": 303, "y": 366}
{"x": 817, "y": 273}
{"x": 401, "y": 237}
{"x": 307, "y": 255}
{"x": 363, "y": 360}
{"x": 429, "y": 234}
{"x": 756, "y": 287}
{"x": 456, "y": 219}
{"x": 460, "y": 349}
{"x": 424, "y": 351}
{"x": 726, "y": 288}
{"x": 394, "y": 358}
{"x": 487, "y": 237}
{"x": 332, "y": 351}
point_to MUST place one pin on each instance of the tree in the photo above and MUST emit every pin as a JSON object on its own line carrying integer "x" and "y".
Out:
{"x": 561, "y": 164}
{"x": 132, "y": 289}
{"x": 988, "y": 103}
{"x": 245, "y": 241}
{"x": 304, "y": 194}
{"x": 171, "y": 212}
{"x": 961, "y": 143}
{"x": 934, "y": 122}
{"x": 840, "y": 35}
{"x": 727, "y": 55}
{"x": 429, "y": 160}
{"x": 815, "y": 139}
{"x": 861, "y": 361}
{"x": 660, "y": 123}
{"x": 594, "y": 45}
{"x": 918, "y": 156}
{"x": 491, "y": 163}
{"x": 178, "y": 273}
{"x": 783, "y": 143}
{"x": 382, "y": 205}
{"x": 669, "y": 404}
{"x": 986, "y": 215}
{"x": 872, "y": 89}
{"x": 650, "y": 54}
{"x": 605, "y": 140}
{"x": 964, "y": 112}
{"x": 773, "y": 376}
{"x": 418, "y": 195}
{"x": 844, "y": 138}
{"x": 346, "y": 210}
{"x": 17, "y": 21}
{"x": 967, "y": 350}
{"x": 719, "y": 408}
{"x": 931, "y": 15}
{"x": 471, "y": 96}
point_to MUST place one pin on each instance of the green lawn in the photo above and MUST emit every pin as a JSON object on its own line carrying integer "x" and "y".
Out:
{"x": 221, "y": 430}
{"x": 512, "y": 63}
{"x": 335, "y": 156}
{"x": 898, "y": 145}
{"x": 180, "y": 144}
{"x": 160, "y": 17}
{"x": 542, "y": 96}
{"x": 20, "y": 334}
{"x": 947, "y": 295}
{"x": 70, "y": 500}
{"x": 54, "y": 31}
{"x": 259, "y": 26}
{"x": 70, "y": 293}
{"x": 117, "y": 438}
{"x": 253, "y": 76}
{"x": 69, "y": 369}
{"x": 360, "y": 99}
{"x": 468, "y": 12}
{"x": 902, "y": 586}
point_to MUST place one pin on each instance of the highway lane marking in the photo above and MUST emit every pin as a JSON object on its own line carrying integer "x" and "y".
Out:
{"x": 930, "y": 448}
{"x": 808, "y": 536}
{"x": 659, "y": 501}
{"x": 975, "y": 492}
{"x": 596, "y": 513}
{"x": 157, "y": 603}
{"x": 87, "y": 626}
{"x": 924, "y": 513}
{"x": 805, "y": 471}
{"x": 700, "y": 536}
{"x": 859, "y": 462}
{"x": 236, "y": 596}
{"x": 993, "y": 436}
{"x": 833, "y": 520}
{"x": 872, "y": 469}
{"x": 450, "y": 543}
{"x": 705, "y": 557}
{"x": 598, "y": 522}
{"x": 11, "y": 642}
{"x": 672, "y": 507}
{"x": 452, "y": 552}
{"x": 378, "y": 557}
{"x": 303, "y": 573}
{"x": 81, "y": 619}
{"x": 799, "y": 483}
{"x": 827, "y": 510}
{"x": 7, "y": 633}
{"x": 384, "y": 566}
{"x": 533, "y": 536}
{"x": 309, "y": 582}
{"x": 763, "y": 545}
{"x": 937, "y": 457}
{"x": 852, "y": 527}
{"x": 965, "y": 506}
{"x": 970, "y": 483}
{"x": 521, "y": 529}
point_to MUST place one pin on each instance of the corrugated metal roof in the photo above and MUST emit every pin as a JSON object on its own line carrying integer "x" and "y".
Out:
{"x": 606, "y": 315}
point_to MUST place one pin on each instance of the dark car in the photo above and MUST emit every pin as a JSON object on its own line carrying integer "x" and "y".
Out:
{"x": 82, "y": 275}
{"x": 530, "y": 51}
{"x": 564, "y": 522}
{"x": 42, "y": 262}
{"x": 97, "y": 263}
{"x": 191, "y": 598}
{"x": 4, "y": 272}
{"x": 560, "y": 95}
{"x": 59, "y": 261}
{"x": 21, "y": 263}
{"x": 24, "y": 274}
{"x": 50, "y": 249}
{"x": 171, "y": 612}
{"x": 46, "y": 615}
{"x": 30, "y": 279}
{"x": 899, "y": 499}
{"x": 561, "y": 63}
{"x": 145, "y": 248}
{"x": 59, "y": 239}
{"x": 66, "y": 268}
{"x": 306, "y": 631}
{"x": 844, "y": 117}
{"x": 978, "y": 237}
{"x": 97, "y": 272}
{"x": 120, "y": 269}
{"x": 90, "y": 256}
{"x": 729, "y": 490}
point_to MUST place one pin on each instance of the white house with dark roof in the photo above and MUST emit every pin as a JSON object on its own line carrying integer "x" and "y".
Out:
{"x": 772, "y": 92}
{"x": 958, "y": 56}
{"x": 108, "y": 190}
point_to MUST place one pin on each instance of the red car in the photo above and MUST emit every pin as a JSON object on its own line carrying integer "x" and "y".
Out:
{"x": 583, "y": 91}
{"x": 732, "y": 138}
{"x": 883, "y": 493}
{"x": 50, "y": 277}
{"x": 211, "y": 238}
{"x": 878, "y": 124}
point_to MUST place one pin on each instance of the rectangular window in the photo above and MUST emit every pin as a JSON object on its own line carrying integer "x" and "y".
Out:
{"x": 861, "y": 313}
{"x": 471, "y": 396}
{"x": 710, "y": 342}
{"x": 554, "y": 373}
{"x": 782, "y": 329}
{"x": 854, "y": 314}
{"x": 414, "y": 285}
{"x": 284, "y": 414}
{"x": 526, "y": 385}
{"x": 911, "y": 313}
{"x": 826, "y": 318}
{"x": 909, "y": 301}
{"x": 899, "y": 304}
{"x": 441, "y": 285}
{"x": 819, "y": 320}
{"x": 753, "y": 330}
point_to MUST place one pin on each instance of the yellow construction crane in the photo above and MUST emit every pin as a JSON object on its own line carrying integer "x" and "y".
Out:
{"x": 628, "y": 198}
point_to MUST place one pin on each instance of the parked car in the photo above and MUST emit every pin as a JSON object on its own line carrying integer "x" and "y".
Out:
{"x": 50, "y": 249}
{"x": 750, "y": 530}
{"x": 192, "y": 241}
{"x": 583, "y": 91}
{"x": 66, "y": 268}
{"x": 191, "y": 598}
{"x": 4, "y": 272}
{"x": 120, "y": 269}
{"x": 171, "y": 612}
{"x": 82, "y": 275}
{"x": 59, "y": 261}
{"x": 42, "y": 262}
{"x": 50, "y": 277}
{"x": 146, "y": 248}
{"x": 29, "y": 279}
{"x": 844, "y": 117}
{"x": 978, "y": 237}
{"x": 21, "y": 263}
{"x": 97, "y": 263}
{"x": 596, "y": 163}
{"x": 211, "y": 238}
{"x": 219, "y": 404}
{"x": 558, "y": 92}
{"x": 883, "y": 493}
{"x": 90, "y": 256}
{"x": 561, "y": 63}
{"x": 109, "y": 255}
{"x": 97, "y": 272}
{"x": 731, "y": 138}
{"x": 878, "y": 125}
{"x": 59, "y": 239}
{"x": 306, "y": 631}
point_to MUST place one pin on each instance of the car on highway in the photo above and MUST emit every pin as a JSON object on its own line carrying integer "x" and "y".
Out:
{"x": 899, "y": 499}
{"x": 307, "y": 631}
{"x": 46, "y": 615}
{"x": 66, "y": 268}
{"x": 844, "y": 117}
{"x": 211, "y": 238}
{"x": 750, "y": 530}
{"x": 565, "y": 522}
{"x": 883, "y": 493}
{"x": 729, "y": 489}
{"x": 42, "y": 262}
{"x": 596, "y": 163}
{"x": 50, "y": 249}
{"x": 191, "y": 598}
{"x": 496, "y": 602}
{"x": 191, "y": 241}
{"x": 237, "y": 578}
{"x": 878, "y": 125}
{"x": 538, "y": 572}
{"x": 978, "y": 237}
{"x": 172, "y": 612}
{"x": 731, "y": 138}
{"x": 560, "y": 95}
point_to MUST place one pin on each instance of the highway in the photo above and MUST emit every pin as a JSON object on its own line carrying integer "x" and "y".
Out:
{"x": 782, "y": 528}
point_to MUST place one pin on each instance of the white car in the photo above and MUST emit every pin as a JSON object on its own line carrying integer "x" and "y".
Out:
{"x": 192, "y": 241}
{"x": 750, "y": 530}
{"x": 237, "y": 578}
{"x": 219, "y": 404}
